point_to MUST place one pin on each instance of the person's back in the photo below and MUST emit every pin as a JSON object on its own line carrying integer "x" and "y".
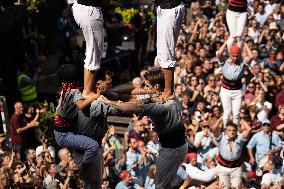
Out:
{"x": 67, "y": 107}
{"x": 167, "y": 121}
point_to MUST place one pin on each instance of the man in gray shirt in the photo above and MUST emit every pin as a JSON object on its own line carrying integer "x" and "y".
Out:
{"x": 92, "y": 122}
{"x": 167, "y": 121}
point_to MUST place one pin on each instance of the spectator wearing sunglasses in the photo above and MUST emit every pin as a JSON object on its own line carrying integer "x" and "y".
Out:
{"x": 265, "y": 142}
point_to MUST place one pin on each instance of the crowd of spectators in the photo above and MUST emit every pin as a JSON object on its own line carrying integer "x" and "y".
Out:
{"x": 129, "y": 162}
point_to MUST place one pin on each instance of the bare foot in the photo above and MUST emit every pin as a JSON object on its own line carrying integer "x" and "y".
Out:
{"x": 88, "y": 94}
{"x": 167, "y": 96}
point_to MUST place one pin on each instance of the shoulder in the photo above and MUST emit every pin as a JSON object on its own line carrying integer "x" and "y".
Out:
{"x": 96, "y": 103}
{"x": 275, "y": 135}
{"x": 14, "y": 117}
{"x": 75, "y": 91}
{"x": 257, "y": 135}
{"x": 128, "y": 152}
{"x": 120, "y": 185}
{"x": 198, "y": 134}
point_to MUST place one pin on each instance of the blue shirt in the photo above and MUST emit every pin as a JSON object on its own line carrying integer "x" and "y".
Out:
{"x": 181, "y": 173}
{"x": 226, "y": 151}
{"x": 232, "y": 71}
{"x": 149, "y": 183}
{"x": 121, "y": 185}
{"x": 131, "y": 162}
{"x": 274, "y": 67}
{"x": 261, "y": 18}
{"x": 261, "y": 143}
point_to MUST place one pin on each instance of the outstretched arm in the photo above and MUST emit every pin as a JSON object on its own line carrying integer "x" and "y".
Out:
{"x": 129, "y": 107}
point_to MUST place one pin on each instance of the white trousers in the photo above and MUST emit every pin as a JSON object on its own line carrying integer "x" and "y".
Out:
{"x": 231, "y": 102}
{"x": 236, "y": 22}
{"x": 230, "y": 177}
{"x": 168, "y": 26}
{"x": 90, "y": 20}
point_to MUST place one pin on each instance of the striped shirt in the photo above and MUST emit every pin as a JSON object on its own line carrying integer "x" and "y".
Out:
{"x": 238, "y": 5}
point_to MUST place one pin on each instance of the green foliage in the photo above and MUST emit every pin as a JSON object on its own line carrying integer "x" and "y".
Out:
{"x": 11, "y": 15}
{"x": 110, "y": 2}
{"x": 46, "y": 119}
{"x": 120, "y": 3}
{"x": 151, "y": 14}
{"x": 127, "y": 14}
{"x": 33, "y": 6}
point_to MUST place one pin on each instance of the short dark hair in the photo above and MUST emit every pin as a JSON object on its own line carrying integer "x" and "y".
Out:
{"x": 231, "y": 124}
{"x": 48, "y": 166}
{"x": 156, "y": 77}
{"x": 28, "y": 150}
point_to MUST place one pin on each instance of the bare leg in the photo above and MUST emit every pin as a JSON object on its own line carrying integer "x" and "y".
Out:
{"x": 89, "y": 80}
{"x": 239, "y": 41}
{"x": 169, "y": 82}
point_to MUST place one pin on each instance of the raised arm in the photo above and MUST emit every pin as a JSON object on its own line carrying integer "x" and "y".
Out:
{"x": 216, "y": 128}
{"x": 247, "y": 129}
{"x": 249, "y": 56}
{"x": 220, "y": 52}
{"x": 37, "y": 115}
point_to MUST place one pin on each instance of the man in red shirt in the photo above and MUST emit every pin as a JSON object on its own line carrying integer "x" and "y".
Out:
{"x": 19, "y": 126}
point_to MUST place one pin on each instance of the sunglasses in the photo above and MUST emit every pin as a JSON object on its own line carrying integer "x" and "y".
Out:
{"x": 206, "y": 126}
{"x": 266, "y": 124}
